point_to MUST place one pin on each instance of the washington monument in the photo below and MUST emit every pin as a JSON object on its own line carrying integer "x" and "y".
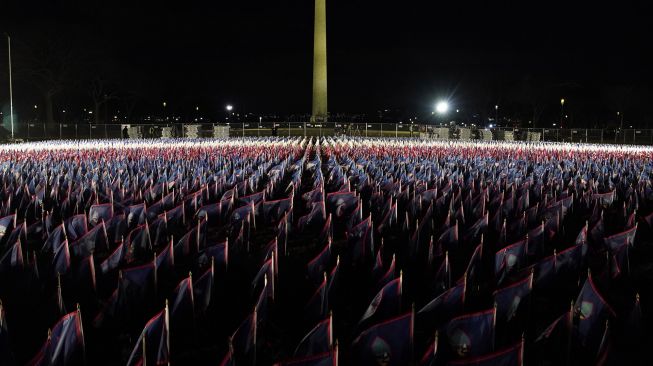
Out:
{"x": 320, "y": 64}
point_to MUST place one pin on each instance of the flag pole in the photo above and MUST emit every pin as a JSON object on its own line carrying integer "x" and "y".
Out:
{"x": 628, "y": 256}
{"x": 226, "y": 255}
{"x": 494, "y": 325}
{"x": 81, "y": 331}
{"x": 417, "y": 236}
{"x": 530, "y": 297}
{"x": 285, "y": 236}
{"x": 521, "y": 354}
{"x": 155, "y": 273}
{"x": 106, "y": 237}
{"x": 412, "y": 327}
{"x": 144, "y": 351}
{"x": 435, "y": 343}
{"x": 276, "y": 258}
{"x": 171, "y": 248}
{"x": 2, "y": 316}
{"x": 273, "y": 271}
{"x": 230, "y": 347}
{"x": 326, "y": 294}
{"x": 255, "y": 321}
{"x": 192, "y": 295}
{"x": 447, "y": 268}
{"x": 464, "y": 288}
{"x": 330, "y": 327}
{"x": 167, "y": 320}
{"x": 11, "y": 88}
{"x": 60, "y": 303}
{"x": 371, "y": 234}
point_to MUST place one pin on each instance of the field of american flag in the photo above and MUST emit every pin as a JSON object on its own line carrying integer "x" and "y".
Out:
{"x": 325, "y": 251}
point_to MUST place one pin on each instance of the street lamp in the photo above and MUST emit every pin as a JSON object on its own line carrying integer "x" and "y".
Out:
{"x": 11, "y": 88}
{"x": 229, "y": 108}
{"x": 496, "y": 114}
{"x": 165, "y": 104}
{"x": 562, "y": 111}
{"x": 442, "y": 107}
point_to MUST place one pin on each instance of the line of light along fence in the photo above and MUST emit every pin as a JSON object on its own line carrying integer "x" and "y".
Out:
{"x": 39, "y": 131}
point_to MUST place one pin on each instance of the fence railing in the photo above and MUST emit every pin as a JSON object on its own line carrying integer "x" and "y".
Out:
{"x": 40, "y": 131}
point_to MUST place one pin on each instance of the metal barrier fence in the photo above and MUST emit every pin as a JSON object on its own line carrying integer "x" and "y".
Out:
{"x": 40, "y": 131}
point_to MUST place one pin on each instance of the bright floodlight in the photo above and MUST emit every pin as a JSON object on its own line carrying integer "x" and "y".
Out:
{"x": 230, "y": 107}
{"x": 442, "y": 107}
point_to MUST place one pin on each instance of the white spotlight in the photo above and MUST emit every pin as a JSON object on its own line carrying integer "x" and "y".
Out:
{"x": 442, "y": 107}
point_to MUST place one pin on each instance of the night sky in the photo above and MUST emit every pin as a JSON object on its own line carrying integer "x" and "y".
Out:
{"x": 399, "y": 55}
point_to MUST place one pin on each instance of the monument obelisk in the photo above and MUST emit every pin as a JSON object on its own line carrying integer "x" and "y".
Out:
{"x": 320, "y": 64}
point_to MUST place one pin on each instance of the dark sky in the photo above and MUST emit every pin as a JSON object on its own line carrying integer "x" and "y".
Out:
{"x": 399, "y": 54}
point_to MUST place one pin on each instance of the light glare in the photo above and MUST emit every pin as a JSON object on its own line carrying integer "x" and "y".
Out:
{"x": 442, "y": 107}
